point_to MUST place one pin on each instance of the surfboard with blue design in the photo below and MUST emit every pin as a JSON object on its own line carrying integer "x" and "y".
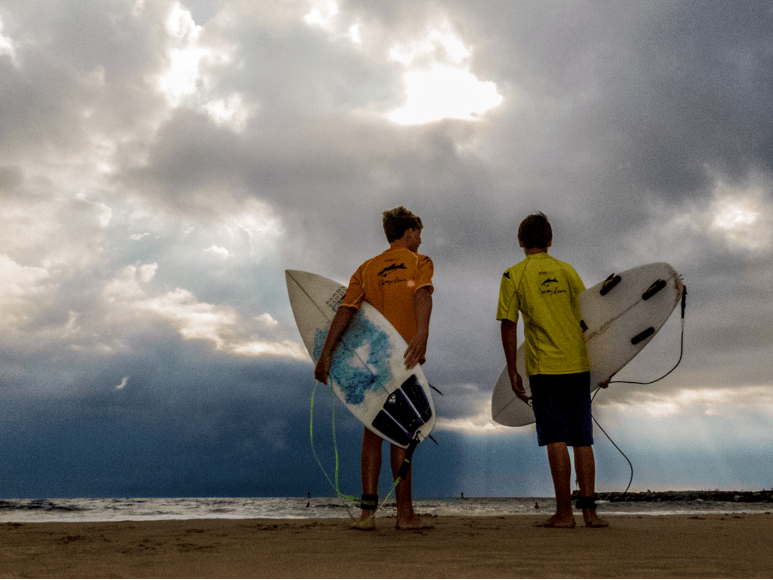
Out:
{"x": 368, "y": 373}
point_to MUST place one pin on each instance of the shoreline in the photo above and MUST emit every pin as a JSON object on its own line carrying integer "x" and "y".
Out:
{"x": 85, "y": 510}
{"x": 764, "y": 495}
{"x": 705, "y": 546}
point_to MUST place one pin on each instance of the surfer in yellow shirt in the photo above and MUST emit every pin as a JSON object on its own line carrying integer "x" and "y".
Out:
{"x": 398, "y": 283}
{"x": 545, "y": 290}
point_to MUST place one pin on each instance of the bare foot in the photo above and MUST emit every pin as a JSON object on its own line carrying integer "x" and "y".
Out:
{"x": 412, "y": 523}
{"x": 367, "y": 522}
{"x": 592, "y": 520}
{"x": 557, "y": 522}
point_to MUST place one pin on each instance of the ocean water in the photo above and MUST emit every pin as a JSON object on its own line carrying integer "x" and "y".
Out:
{"x": 136, "y": 509}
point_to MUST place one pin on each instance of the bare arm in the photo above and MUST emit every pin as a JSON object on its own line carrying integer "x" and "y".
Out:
{"x": 509, "y": 330}
{"x": 417, "y": 349}
{"x": 337, "y": 327}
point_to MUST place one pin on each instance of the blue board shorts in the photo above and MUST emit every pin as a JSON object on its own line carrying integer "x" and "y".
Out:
{"x": 561, "y": 406}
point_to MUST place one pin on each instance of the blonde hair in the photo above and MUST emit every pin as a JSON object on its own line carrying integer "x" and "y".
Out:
{"x": 399, "y": 220}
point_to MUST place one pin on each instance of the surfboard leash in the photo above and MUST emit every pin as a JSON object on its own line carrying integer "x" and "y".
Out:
{"x": 630, "y": 479}
{"x": 681, "y": 350}
{"x": 342, "y": 497}
{"x": 346, "y": 499}
{"x": 681, "y": 354}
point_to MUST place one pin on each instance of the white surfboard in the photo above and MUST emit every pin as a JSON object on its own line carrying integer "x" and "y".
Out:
{"x": 621, "y": 314}
{"x": 368, "y": 373}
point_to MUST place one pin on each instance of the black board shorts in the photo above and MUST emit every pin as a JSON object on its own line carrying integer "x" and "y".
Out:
{"x": 561, "y": 406}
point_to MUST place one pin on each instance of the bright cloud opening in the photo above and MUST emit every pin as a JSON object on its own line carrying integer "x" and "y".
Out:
{"x": 232, "y": 112}
{"x": 738, "y": 216}
{"x": 477, "y": 421}
{"x": 266, "y": 320}
{"x": 185, "y": 81}
{"x": 701, "y": 402}
{"x": 128, "y": 297}
{"x": 285, "y": 348}
{"x": 261, "y": 226}
{"x": 438, "y": 81}
{"x": 217, "y": 251}
{"x": 741, "y": 216}
{"x": 7, "y": 46}
{"x": 325, "y": 14}
{"x": 322, "y": 14}
{"x": 184, "y": 60}
{"x": 445, "y": 93}
{"x": 22, "y": 291}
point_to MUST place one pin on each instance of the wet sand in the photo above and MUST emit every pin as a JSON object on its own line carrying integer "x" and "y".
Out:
{"x": 707, "y": 546}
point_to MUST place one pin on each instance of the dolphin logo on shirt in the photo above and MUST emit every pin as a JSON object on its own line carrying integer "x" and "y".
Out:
{"x": 392, "y": 268}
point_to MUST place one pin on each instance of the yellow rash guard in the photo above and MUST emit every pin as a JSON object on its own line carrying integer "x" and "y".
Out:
{"x": 545, "y": 290}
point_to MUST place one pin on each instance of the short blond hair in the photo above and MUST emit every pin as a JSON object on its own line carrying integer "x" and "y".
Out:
{"x": 399, "y": 220}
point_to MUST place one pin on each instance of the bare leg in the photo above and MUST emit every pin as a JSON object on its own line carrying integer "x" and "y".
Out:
{"x": 585, "y": 464}
{"x": 406, "y": 518}
{"x": 561, "y": 470}
{"x": 370, "y": 467}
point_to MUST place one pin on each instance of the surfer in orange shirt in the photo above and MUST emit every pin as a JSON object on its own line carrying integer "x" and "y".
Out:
{"x": 398, "y": 283}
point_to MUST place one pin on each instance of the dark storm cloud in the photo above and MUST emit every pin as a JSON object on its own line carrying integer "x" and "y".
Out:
{"x": 186, "y": 421}
{"x": 704, "y": 91}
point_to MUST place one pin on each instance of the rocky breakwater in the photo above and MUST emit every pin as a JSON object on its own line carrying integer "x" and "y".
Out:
{"x": 708, "y": 495}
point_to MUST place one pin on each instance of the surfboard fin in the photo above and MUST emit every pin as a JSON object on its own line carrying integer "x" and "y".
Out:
{"x": 434, "y": 388}
{"x": 609, "y": 283}
{"x": 642, "y": 335}
{"x": 654, "y": 289}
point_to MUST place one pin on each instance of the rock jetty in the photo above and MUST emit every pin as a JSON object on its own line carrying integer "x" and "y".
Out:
{"x": 708, "y": 495}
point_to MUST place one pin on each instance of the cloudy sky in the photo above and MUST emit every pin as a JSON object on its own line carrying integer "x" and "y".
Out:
{"x": 162, "y": 162}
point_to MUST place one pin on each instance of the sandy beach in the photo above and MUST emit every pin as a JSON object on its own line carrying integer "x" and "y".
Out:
{"x": 710, "y": 546}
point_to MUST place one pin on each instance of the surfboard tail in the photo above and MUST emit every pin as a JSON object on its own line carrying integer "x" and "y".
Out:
{"x": 404, "y": 412}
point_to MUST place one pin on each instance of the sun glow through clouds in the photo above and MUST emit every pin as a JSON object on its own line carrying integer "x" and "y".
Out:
{"x": 438, "y": 81}
{"x": 444, "y": 92}
{"x": 185, "y": 59}
{"x": 739, "y": 216}
{"x": 7, "y": 46}
{"x": 186, "y": 81}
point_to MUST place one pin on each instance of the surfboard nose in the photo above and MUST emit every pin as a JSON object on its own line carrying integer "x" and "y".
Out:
{"x": 298, "y": 279}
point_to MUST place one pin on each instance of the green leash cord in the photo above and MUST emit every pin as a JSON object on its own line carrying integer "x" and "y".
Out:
{"x": 344, "y": 498}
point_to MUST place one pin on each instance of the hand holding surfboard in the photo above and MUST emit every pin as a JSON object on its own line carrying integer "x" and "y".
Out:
{"x": 368, "y": 370}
